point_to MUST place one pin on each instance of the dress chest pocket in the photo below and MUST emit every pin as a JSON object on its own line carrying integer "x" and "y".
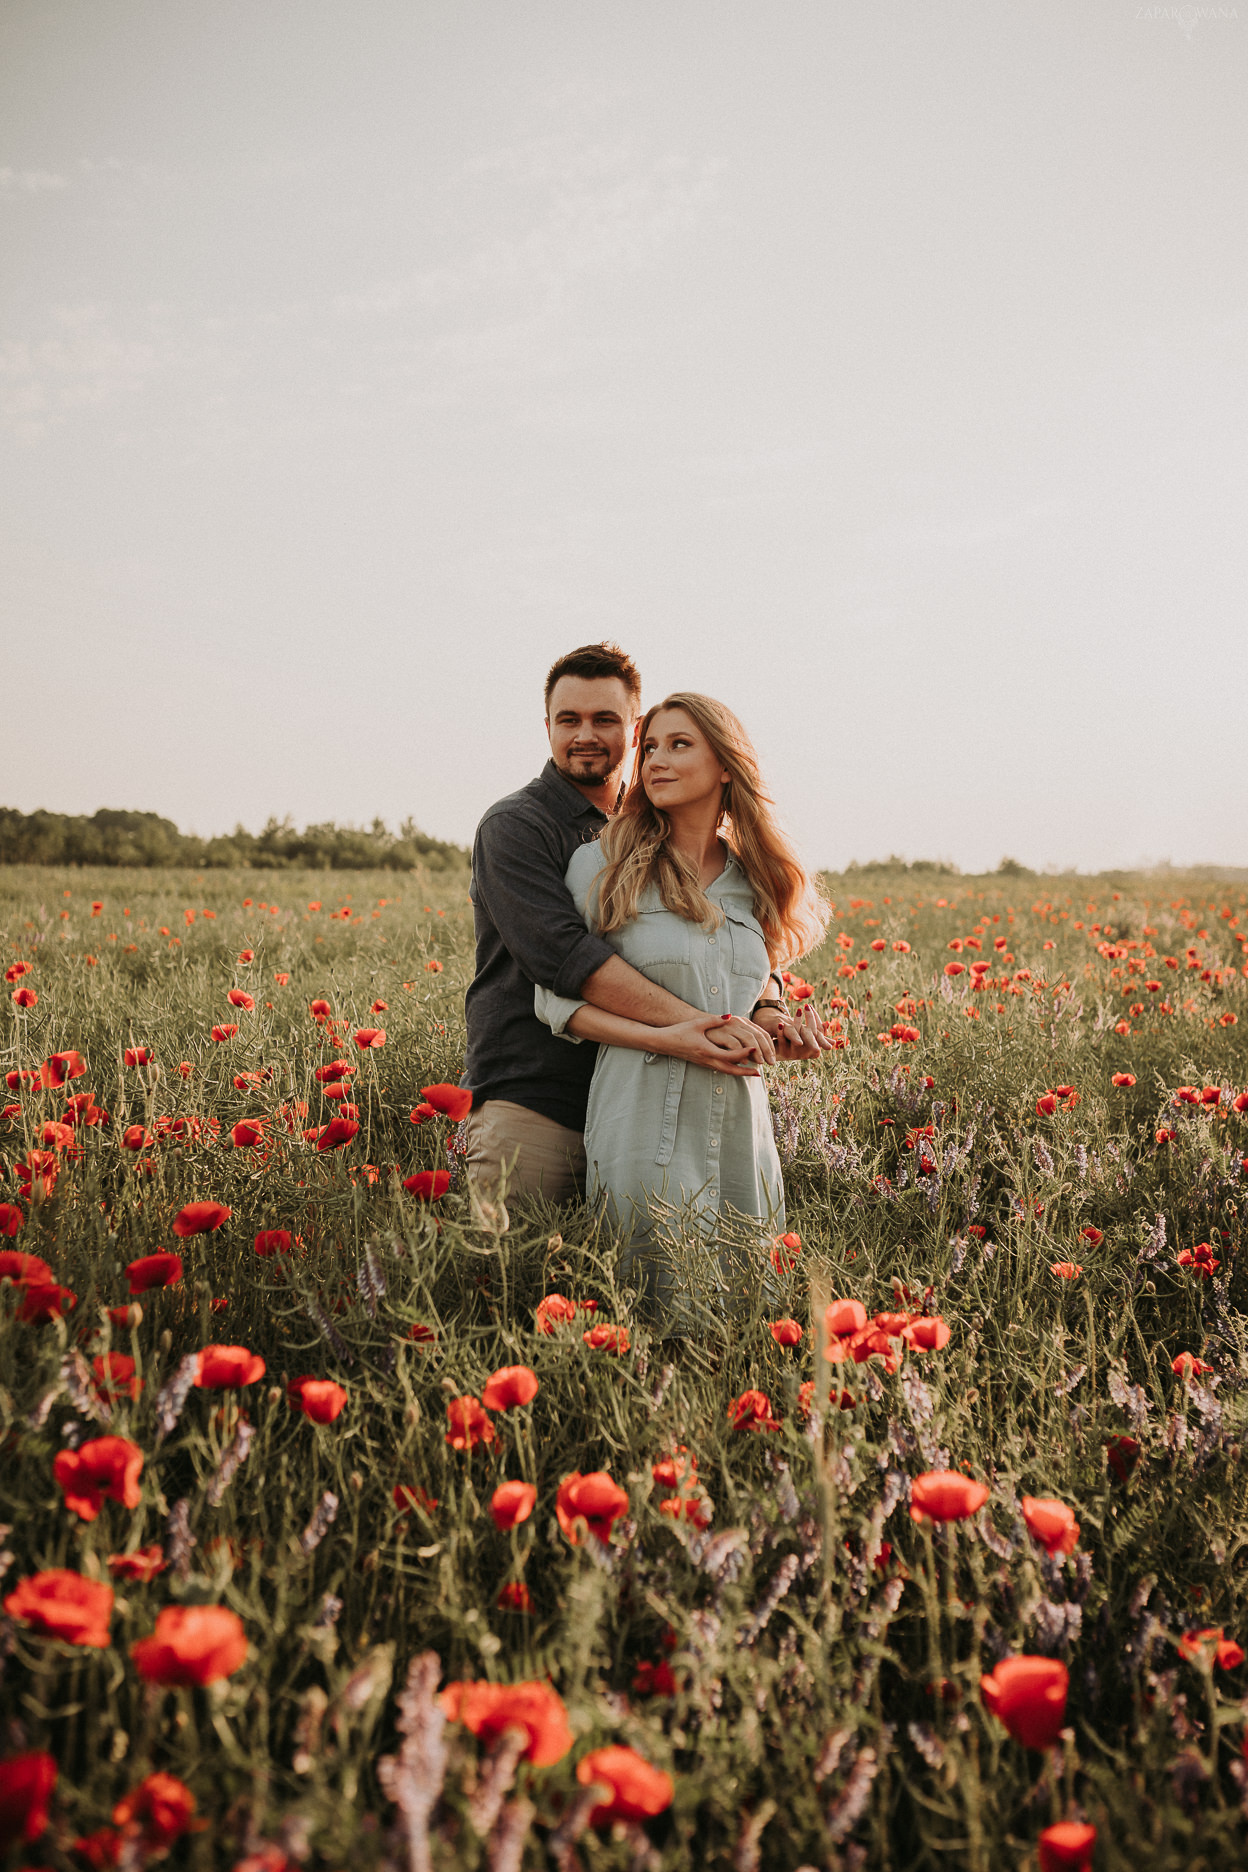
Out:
{"x": 749, "y": 949}
{"x": 654, "y": 938}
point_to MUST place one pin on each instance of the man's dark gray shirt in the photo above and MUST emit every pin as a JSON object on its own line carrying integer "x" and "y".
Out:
{"x": 529, "y": 930}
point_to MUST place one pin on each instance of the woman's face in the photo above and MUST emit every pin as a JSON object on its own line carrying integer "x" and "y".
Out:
{"x": 678, "y": 764}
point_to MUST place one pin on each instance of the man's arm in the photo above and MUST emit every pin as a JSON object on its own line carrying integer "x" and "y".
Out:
{"x": 517, "y": 878}
{"x": 618, "y": 988}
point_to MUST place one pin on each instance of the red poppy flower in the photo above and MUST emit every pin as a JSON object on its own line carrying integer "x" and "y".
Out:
{"x": 1067, "y": 1847}
{"x": 63, "y": 1604}
{"x": 108, "y": 1466}
{"x": 695, "y": 1508}
{"x": 945, "y": 1495}
{"x": 23, "y": 1269}
{"x": 1195, "y": 1646}
{"x": 1028, "y": 1694}
{"x": 510, "y": 1385}
{"x": 635, "y": 1790}
{"x": 752, "y": 1411}
{"x": 1067, "y": 1270}
{"x": 137, "y": 1056}
{"x": 154, "y": 1270}
{"x": 222, "y": 1367}
{"x": 1046, "y": 1104}
{"x": 16, "y": 1078}
{"x": 12, "y": 1220}
{"x": 366, "y": 1037}
{"x": 607, "y": 1338}
{"x": 115, "y": 1376}
{"x": 1123, "y": 1453}
{"x": 43, "y": 1301}
{"x": 467, "y": 1423}
{"x": 136, "y": 1137}
{"x": 489, "y": 1710}
{"x": 318, "y": 1398}
{"x": 157, "y": 1813}
{"x": 1124, "y": 1079}
{"x": 1052, "y": 1523}
{"x": 428, "y": 1185}
{"x": 319, "y": 1010}
{"x": 1201, "y": 1259}
{"x": 454, "y": 1102}
{"x": 61, "y": 1066}
{"x": 786, "y": 1332}
{"x": 272, "y": 1241}
{"x": 337, "y": 1089}
{"x": 239, "y": 998}
{"x": 422, "y": 1111}
{"x": 16, "y": 970}
{"x": 25, "y": 998}
{"x": 337, "y": 1132}
{"x": 226, "y": 1031}
{"x": 926, "y": 1332}
{"x": 511, "y": 1503}
{"x": 1187, "y": 1365}
{"x": 423, "y": 1335}
{"x": 554, "y": 1311}
{"x": 654, "y": 1679}
{"x": 515, "y": 1597}
{"x": 784, "y": 1251}
{"x": 408, "y": 1496}
{"x": 841, "y": 1321}
{"x": 191, "y": 1645}
{"x": 594, "y": 1499}
{"x": 678, "y": 1470}
{"x": 141, "y": 1565}
{"x": 1093, "y": 1235}
{"x": 26, "y": 1783}
{"x": 200, "y": 1218}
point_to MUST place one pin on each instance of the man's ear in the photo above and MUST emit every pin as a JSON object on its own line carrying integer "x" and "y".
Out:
{"x": 636, "y": 732}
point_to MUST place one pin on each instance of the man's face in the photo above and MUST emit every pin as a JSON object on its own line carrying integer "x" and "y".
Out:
{"x": 592, "y": 724}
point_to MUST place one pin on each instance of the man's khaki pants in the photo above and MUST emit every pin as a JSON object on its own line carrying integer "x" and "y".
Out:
{"x": 539, "y": 1156}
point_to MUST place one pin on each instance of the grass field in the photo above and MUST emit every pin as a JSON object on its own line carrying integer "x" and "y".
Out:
{"x": 759, "y": 1617}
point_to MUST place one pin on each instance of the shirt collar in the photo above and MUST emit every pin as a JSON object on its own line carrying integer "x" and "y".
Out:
{"x": 568, "y": 801}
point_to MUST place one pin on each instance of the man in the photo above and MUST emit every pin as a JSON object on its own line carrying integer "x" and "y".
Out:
{"x": 530, "y": 1088}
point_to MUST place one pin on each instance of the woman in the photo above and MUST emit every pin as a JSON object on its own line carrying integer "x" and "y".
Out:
{"x": 696, "y": 885}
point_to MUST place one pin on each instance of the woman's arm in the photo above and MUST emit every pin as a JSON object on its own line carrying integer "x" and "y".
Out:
{"x": 685, "y": 1040}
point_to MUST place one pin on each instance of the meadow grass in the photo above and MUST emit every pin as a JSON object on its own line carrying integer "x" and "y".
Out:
{"x": 806, "y": 1667}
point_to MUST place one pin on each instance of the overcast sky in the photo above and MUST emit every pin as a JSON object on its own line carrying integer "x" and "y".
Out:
{"x": 877, "y": 368}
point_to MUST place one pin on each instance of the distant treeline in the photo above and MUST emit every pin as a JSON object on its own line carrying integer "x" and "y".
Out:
{"x": 111, "y": 837}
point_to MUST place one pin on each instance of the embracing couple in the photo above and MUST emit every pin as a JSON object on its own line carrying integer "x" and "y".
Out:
{"x": 632, "y": 906}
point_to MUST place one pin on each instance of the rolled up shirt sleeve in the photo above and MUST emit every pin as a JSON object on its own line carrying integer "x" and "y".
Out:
{"x": 556, "y": 1011}
{"x": 517, "y": 874}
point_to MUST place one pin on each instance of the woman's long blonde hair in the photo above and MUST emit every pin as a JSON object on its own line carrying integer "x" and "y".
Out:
{"x": 639, "y": 853}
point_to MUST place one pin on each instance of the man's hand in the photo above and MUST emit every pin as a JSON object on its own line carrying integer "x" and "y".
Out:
{"x": 798, "y": 1039}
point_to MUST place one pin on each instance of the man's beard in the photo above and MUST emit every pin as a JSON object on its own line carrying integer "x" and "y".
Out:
{"x": 600, "y": 763}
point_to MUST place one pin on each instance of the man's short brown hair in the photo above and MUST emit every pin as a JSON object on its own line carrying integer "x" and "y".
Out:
{"x": 596, "y": 660}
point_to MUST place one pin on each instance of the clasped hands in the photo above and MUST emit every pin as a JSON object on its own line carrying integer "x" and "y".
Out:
{"x": 732, "y": 1044}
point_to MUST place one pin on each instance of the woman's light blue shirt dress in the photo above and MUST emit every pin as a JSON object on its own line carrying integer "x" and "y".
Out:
{"x": 700, "y": 1142}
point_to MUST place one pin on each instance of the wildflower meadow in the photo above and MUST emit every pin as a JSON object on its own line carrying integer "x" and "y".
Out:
{"x": 346, "y": 1520}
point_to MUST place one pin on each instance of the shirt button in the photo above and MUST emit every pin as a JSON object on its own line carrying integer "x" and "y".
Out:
{"x": 710, "y": 939}
{"x": 714, "y": 990}
{"x": 719, "y": 1088}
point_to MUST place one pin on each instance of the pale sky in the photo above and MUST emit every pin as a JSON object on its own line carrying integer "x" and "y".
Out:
{"x": 879, "y": 369}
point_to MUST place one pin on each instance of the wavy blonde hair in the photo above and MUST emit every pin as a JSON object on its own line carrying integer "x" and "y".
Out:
{"x": 638, "y": 848}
